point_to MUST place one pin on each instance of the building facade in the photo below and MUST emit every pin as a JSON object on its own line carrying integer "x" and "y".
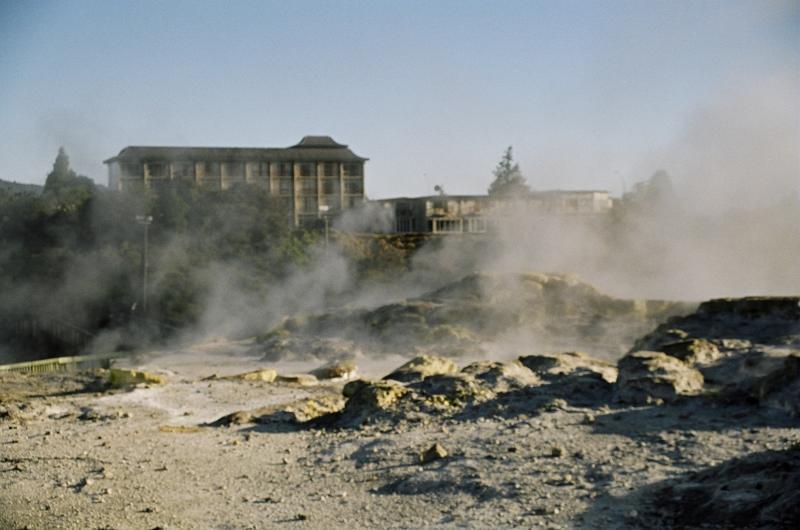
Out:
{"x": 316, "y": 178}
{"x": 459, "y": 214}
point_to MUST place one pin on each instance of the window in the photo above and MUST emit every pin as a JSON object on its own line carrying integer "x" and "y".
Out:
{"x": 329, "y": 169}
{"x": 307, "y": 169}
{"x": 234, "y": 169}
{"x": 212, "y": 169}
{"x": 130, "y": 169}
{"x": 259, "y": 169}
{"x": 285, "y": 186}
{"x": 183, "y": 169}
{"x": 308, "y": 185}
{"x": 353, "y": 186}
{"x": 352, "y": 202}
{"x": 351, "y": 169}
{"x": 157, "y": 170}
{"x": 285, "y": 169}
{"x": 333, "y": 203}
{"x": 330, "y": 186}
{"x": 310, "y": 204}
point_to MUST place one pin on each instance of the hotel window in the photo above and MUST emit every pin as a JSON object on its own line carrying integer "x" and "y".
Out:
{"x": 234, "y": 169}
{"x": 285, "y": 169}
{"x": 259, "y": 169}
{"x": 183, "y": 169}
{"x": 307, "y": 169}
{"x": 157, "y": 170}
{"x": 353, "y": 186}
{"x": 352, "y": 169}
{"x": 330, "y": 186}
{"x": 309, "y": 185}
{"x": 130, "y": 169}
{"x": 285, "y": 186}
{"x": 329, "y": 169}
{"x": 310, "y": 204}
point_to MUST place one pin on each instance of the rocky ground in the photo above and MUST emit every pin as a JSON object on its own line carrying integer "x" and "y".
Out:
{"x": 697, "y": 426}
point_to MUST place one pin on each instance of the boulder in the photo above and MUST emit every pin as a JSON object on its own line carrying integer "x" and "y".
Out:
{"x": 297, "y": 379}
{"x": 368, "y": 400}
{"x": 118, "y": 377}
{"x": 451, "y": 390}
{"x": 341, "y": 369}
{"x": 554, "y": 364}
{"x": 501, "y": 377}
{"x": 265, "y": 376}
{"x": 693, "y": 351}
{"x": 654, "y": 377}
{"x": 421, "y": 367}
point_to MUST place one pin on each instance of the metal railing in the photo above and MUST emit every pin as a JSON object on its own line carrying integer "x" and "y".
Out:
{"x": 60, "y": 364}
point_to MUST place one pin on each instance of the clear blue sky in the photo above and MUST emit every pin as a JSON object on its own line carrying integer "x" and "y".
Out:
{"x": 431, "y": 92}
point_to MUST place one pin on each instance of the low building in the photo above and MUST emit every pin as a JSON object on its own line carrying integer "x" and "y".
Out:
{"x": 315, "y": 178}
{"x": 457, "y": 214}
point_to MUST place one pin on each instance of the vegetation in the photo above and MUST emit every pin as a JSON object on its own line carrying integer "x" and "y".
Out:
{"x": 508, "y": 179}
{"x": 73, "y": 255}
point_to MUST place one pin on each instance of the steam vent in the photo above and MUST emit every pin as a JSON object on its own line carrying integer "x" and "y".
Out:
{"x": 314, "y": 178}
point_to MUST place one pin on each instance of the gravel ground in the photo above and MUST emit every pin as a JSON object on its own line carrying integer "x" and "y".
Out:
{"x": 74, "y": 458}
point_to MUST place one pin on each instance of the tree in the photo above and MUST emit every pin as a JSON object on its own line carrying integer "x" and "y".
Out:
{"x": 508, "y": 179}
{"x": 64, "y": 187}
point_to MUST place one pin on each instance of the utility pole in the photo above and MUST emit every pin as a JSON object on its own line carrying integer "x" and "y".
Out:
{"x": 145, "y": 221}
{"x": 323, "y": 209}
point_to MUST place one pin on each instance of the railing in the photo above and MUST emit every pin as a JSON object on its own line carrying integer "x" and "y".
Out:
{"x": 60, "y": 364}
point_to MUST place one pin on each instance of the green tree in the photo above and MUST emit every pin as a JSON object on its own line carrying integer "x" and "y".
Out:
{"x": 508, "y": 179}
{"x": 64, "y": 188}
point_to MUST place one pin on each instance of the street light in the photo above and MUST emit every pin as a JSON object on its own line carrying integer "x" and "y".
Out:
{"x": 145, "y": 221}
{"x": 323, "y": 210}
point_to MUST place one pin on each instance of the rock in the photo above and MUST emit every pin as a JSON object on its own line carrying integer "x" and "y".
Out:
{"x": 118, "y": 377}
{"x": 780, "y": 388}
{"x": 298, "y": 379}
{"x": 368, "y": 400}
{"x": 421, "y": 367}
{"x": 350, "y": 389}
{"x": 647, "y": 377}
{"x": 342, "y": 369}
{"x": 267, "y": 376}
{"x": 433, "y": 453}
{"x": 501, "y": 377}
{"x": 309, "y": 409}
{"x": 759, "y": 490}
{"x": 451, "y": 390}
{"x": 693, "y": 351}
{"x": 553, "y": 364}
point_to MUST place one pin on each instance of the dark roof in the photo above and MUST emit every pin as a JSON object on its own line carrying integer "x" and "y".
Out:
{"x": 319, "y": 141}
{"x": 310, "y": 149}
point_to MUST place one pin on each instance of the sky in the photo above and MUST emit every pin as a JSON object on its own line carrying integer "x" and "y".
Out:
{"x": 591, "y": 94}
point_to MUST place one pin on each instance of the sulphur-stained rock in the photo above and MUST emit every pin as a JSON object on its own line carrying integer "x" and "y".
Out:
{"x": 693, "y": 351}
{"x": 350, "y": 389}
{"x": 433, "y": 453}
{"x": 367, "y": 400}
{"x": 653, "y": 377}
{"x": 551, "y": 364}
{"x": 264, "y": 376}
{"x": 501, "y": 377}
{"x": 297, "y": 379}
{"x": 451, "y": 390}
{"x": 118, "y": 377}
{"x": 309, "y": 409}
{"x": 421, "y": 367}
{"x": 341, "y": 369}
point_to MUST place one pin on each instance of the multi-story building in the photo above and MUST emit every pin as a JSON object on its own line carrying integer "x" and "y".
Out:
{"x": 315, "y": 178}
{"x": 448, "y": 214}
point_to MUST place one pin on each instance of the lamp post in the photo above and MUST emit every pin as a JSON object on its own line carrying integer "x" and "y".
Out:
{"x": 145, "y": 221}
{"x": 323, "y": 210}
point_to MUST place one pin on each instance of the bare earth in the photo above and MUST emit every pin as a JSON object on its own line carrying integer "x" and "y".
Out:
{"x": 142, "y": 458}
